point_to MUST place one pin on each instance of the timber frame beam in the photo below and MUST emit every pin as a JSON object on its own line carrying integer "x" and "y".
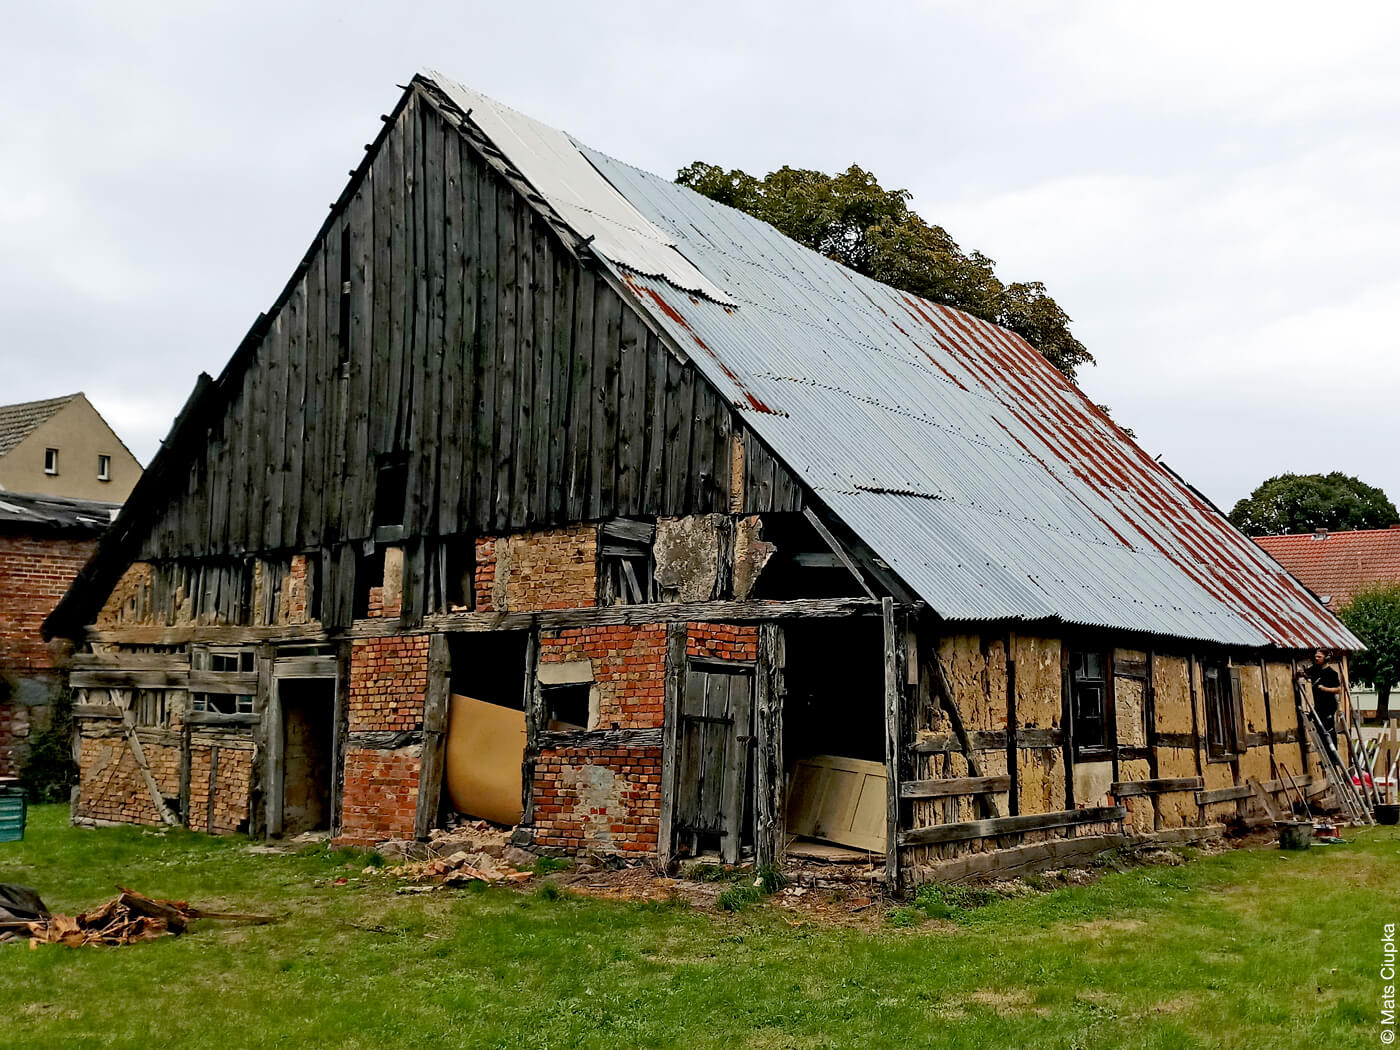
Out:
{"x": 611, "y": 615}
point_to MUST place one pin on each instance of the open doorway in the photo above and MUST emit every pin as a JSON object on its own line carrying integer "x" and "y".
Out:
{"x": 485, "y": 746}
{"x": 834, "y": 733}
{"x": 308, "y": 750}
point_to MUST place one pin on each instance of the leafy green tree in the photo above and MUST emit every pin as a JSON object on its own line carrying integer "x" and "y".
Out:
{"x": 1373, "y": 615}
{"x": 1305, "y": 502}
{"x": 851, "y": 218}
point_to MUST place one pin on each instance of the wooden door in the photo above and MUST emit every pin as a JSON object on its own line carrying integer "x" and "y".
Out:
{"x": 714, "y": 741}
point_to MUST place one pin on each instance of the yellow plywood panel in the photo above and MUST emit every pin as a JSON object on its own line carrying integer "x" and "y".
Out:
{"x": 840, "y": 800}
{"x": 485, "y": 749}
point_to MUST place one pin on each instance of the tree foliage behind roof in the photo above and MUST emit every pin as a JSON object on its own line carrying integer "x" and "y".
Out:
{"x": 851, "y": 218}
{"x": 1306, "y": 502}
{"x": 1373, "y": 615}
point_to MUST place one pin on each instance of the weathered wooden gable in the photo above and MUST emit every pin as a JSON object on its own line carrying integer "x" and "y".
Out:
{"x": 446, "y": 322}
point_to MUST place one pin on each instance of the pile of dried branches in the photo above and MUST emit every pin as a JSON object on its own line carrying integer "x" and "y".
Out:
{"x": 125, "y": 919}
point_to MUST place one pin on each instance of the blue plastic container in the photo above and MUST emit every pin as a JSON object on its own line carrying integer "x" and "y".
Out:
{"x": 13, "y": 810}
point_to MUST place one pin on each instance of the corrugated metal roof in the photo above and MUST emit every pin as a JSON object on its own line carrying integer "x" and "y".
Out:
{"x": 985, "y": 479}
{"x": 17, "y": 422}
{"x": 552, "y": 163}
{"x": 1335, "y": 565}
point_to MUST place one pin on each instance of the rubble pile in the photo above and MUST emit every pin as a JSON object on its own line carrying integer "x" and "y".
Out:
{"x": 457, "y": 869}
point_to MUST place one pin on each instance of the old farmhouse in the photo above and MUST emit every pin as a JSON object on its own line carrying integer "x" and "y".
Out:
{"x": 552, "y": 491}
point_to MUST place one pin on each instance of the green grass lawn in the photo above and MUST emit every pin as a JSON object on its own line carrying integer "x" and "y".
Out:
{"x": 1246, "y": 949}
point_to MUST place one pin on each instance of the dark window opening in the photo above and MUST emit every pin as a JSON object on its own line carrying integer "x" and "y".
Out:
{"x": 567, "y": 706}
{"x": 1089, "y": 700}
{"x": 458, "y": 560}
{"x": 627, "y": 567}
{"x": 50, "y": 461}
{"x": 1224, "y": 716}
{"x": 390, "y": 490}
{"x": 104, "y": 468}
{"x": 369, "y": 574}
{"x": 802, "y": 565}
{"x": 490, "y": 666}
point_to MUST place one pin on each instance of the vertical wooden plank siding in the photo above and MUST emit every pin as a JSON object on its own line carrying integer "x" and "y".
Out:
{"x": 440, "y": 321}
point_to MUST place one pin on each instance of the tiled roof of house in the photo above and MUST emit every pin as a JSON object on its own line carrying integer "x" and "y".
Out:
{"x": 17, "y": 422}
{"x": 1335, "y": 565}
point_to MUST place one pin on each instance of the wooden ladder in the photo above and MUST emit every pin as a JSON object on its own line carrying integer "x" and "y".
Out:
{"x": 1338, "y": 776}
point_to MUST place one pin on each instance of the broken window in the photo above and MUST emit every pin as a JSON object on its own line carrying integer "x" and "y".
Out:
{"x": 1224, "y": 711}
{"x": 1088, "y": 697}
{"x": 226, "y": 678}
{"x": 222, "y": 703}
{"x": 627, "y": 568}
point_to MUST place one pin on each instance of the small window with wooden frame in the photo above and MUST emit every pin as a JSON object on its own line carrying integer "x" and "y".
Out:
{"x": 1091, "y": 705}
{"x": 1220, "y": 690}
{"x": 626, "y": 565}
{"x": 223, "y": 681}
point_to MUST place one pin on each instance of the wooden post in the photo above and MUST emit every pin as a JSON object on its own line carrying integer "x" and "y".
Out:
{"x": 671, "y": 708}
{"x": 261, "y": 770}
{"x": 1149, "y": 703}
{"x": 276, "y": 788}
{"x": 434, "y": 736}
{"x": 533, "y": 703}
{"x": 341, "y": 717}
{"x": 894, "y": 646}
{"x": 768, "y": 763}
{"x": 1013, "y": 791}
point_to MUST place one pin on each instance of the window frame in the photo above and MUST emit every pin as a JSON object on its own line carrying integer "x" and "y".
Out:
{"x": 104, "y": 467}
{"x": 51, "y": 462}
{"x": 627, "y": 563}
{"x": 1224, "y": 711}
{"x": 1103, "y": 749}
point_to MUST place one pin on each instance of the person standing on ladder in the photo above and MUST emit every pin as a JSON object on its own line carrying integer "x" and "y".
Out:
{"x": 1326, "y": 692}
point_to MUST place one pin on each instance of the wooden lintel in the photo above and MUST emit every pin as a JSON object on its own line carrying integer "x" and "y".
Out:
{"x": 558, "y": 739}
{"x": 128, "y": 679}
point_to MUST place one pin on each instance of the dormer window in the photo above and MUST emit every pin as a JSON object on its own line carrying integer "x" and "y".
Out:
{"x": 104, "y": 468}
{"x": 50, "y": 461}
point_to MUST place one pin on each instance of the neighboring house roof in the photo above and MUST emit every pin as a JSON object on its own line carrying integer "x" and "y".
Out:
{"x": 1335, "y": 565}
{"x": 950, "y": 446}
{"x": 17, "y": 422}
{"x": 24, "y": 513}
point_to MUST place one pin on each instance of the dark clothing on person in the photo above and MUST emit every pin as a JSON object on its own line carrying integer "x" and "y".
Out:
{"x": 1325, "y": 703}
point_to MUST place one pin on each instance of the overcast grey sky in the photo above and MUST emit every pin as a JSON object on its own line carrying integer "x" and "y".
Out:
{"x": 1208, "y": 188}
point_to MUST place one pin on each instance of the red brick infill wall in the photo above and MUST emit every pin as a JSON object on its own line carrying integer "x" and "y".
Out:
{"x": 629, "y": 669}
{"x": 606, "y": 799}
{"x": 388, "y": 680}
{"x": 533, "y": 571}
